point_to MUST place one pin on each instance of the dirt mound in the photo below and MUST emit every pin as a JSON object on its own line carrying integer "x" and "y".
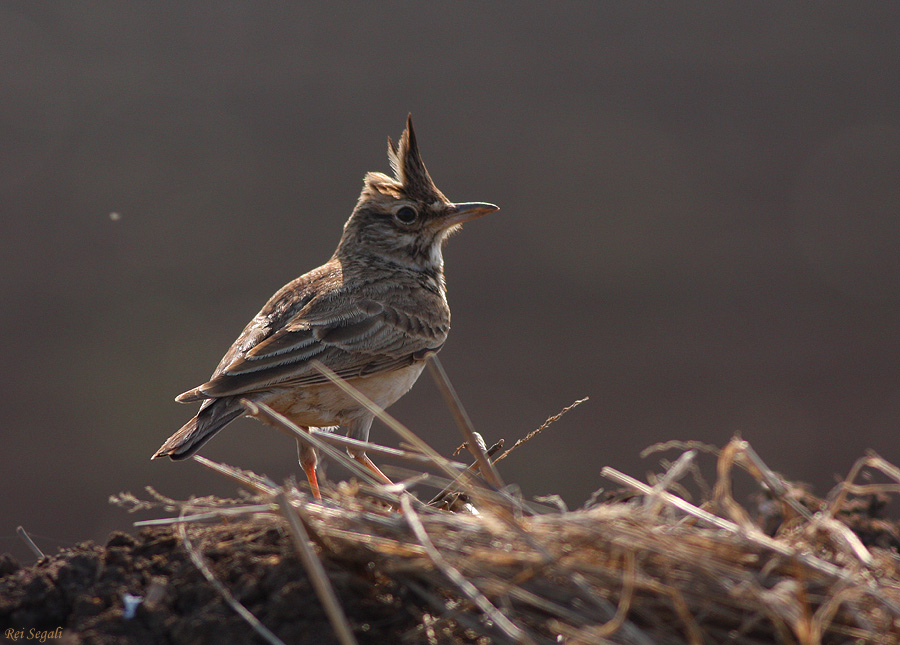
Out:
{"x": 84, "y": 590}
{"x": 643, "y": 565}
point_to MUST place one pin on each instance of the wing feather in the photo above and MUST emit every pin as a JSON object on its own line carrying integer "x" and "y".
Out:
{"x": 358, "y": 339}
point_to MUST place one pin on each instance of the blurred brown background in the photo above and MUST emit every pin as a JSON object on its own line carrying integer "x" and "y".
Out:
{"x": 700, "y": 227}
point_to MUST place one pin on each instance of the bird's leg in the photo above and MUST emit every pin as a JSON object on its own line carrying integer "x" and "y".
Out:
{"x": 308, "y": 458}
{"x": 359, "y": 429}
{"x": 375, "y": 470}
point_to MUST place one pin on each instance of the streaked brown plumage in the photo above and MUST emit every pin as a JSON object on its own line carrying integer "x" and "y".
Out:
{"x": 370, "y": 313}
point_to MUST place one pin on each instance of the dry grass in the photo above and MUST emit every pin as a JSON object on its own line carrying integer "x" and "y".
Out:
{"x": 646, "y": 565}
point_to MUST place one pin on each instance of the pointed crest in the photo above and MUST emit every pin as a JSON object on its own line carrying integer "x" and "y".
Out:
{"x": 411, "y": 178}
{"x": 408, "y": 167}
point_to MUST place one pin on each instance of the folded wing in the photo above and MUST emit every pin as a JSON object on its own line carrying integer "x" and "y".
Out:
{"x": 359, "y": 339}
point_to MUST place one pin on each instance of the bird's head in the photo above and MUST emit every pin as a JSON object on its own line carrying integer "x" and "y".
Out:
{"x": 405, "y": 218}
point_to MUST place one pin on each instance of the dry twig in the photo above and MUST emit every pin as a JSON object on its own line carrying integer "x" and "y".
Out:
{"x": 316, "y": 572}
{"x": 243, "y": 612}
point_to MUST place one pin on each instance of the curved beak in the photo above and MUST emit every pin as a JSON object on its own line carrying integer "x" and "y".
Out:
{"x": 465, "y": 211}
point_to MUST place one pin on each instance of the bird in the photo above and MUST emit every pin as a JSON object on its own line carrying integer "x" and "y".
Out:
{"x": 371, "y": 314}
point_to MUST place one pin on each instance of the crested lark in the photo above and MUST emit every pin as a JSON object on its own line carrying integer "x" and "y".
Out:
{"x": 371, "y": 314}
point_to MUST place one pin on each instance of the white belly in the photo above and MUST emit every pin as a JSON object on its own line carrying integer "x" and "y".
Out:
{"x": 385, "y": 389}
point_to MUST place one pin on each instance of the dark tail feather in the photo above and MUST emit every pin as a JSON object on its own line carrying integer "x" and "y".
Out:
{"x": 196, "y": 432}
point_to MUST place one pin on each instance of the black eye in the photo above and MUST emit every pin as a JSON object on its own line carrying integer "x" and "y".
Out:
{"x": 406, "y": 215}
